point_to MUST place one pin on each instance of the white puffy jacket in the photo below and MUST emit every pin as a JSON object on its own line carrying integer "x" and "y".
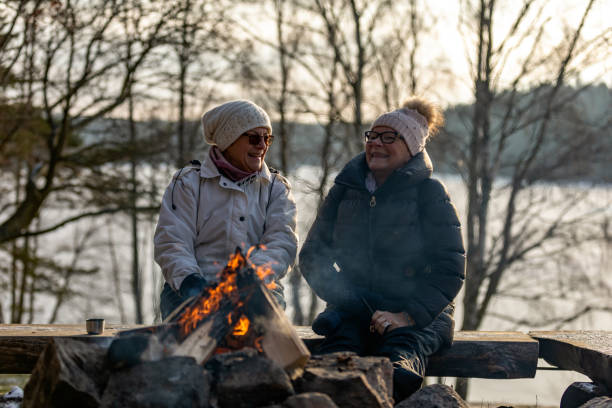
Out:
{"x": 204, "y": 216}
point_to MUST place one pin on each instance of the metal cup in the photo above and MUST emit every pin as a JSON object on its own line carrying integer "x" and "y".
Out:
{"x": 94, "y": 326}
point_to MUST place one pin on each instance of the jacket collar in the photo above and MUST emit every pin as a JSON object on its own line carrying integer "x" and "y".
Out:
{"x": 209, "y": 170}
{"x": 416, "y": 170}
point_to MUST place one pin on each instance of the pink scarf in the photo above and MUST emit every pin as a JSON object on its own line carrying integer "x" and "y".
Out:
{"x": 225, "y": 167}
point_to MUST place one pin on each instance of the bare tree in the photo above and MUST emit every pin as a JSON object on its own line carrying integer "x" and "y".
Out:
{"x": 288, "y": 44}
{"x": 72, "y": 55}
{"x": 63, "y": 72}
{"x": 198, "y": 34}
{"x": 350, "y": 32}
{"x": 64, "y": 290}
{"x": 511, "y": 141}
{"x": 332, "y": 48}
{"x": 405, "y": 64}
{"x": 131, "y": 18}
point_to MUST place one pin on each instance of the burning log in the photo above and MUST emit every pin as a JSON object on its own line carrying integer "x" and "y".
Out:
{"x": 237, "y": 312}
{"x": 280, "y": 341}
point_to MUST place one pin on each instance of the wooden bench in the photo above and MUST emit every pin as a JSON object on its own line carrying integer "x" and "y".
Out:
{"x": 473, "y": 354}
{"x": 587, "y": 352}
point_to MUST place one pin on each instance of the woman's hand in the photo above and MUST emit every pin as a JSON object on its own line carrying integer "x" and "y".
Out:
{"x": 383, "y": 322}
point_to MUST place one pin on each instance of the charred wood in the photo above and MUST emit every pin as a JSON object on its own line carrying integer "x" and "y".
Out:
{"x": 246, "y": 379}
{"x": 177, "y": 382}
{"x": 68, "y": 373}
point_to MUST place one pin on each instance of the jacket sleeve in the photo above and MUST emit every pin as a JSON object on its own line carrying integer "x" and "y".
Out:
{"x": 317, "y": 261}
{"x": 279, "y": 236}
{"x": 444, "y": 273}
{"x": 175, "y": 233}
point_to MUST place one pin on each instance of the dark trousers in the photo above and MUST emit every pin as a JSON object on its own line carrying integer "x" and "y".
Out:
{"x": 170, "y": 299}
{"x": 407, "y": 348}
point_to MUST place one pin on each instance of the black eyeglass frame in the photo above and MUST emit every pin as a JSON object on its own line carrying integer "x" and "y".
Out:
{"x": 386, "y": 137}
{"x": 255, "y": 138}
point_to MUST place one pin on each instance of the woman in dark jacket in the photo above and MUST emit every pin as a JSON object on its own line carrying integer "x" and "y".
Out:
{"x": 385, "y": 251}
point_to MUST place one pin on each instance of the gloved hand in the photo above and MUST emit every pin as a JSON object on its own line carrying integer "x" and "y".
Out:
{"x": 192, "y": 285}
{"x": 327, "y": 322}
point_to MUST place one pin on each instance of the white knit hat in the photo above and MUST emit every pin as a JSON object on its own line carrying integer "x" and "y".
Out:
{"x": 410, "y": 124}
{"x": 224, "y": 124}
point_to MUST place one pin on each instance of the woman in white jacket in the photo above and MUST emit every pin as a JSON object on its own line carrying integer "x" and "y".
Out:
{"x": 231, "y": 200}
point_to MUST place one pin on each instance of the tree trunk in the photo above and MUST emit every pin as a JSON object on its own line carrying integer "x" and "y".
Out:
{"x": 295, "y": 281}
{"x": 136, "y": 283}
{"x": 479, "y": 188}
{"x": 282, "y": 102}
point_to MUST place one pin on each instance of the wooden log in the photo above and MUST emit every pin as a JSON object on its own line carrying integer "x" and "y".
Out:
{"x": 202, "y": 342}
{"x": 484, "y": 354}
{"x": 204, "y": 337}
{"x": 20, "y": 346}
{"x": 476, "y": 354}
{"x": 68, "y": 373}
{"x": 588, "y": 352}
{"x": 281, "y": 342}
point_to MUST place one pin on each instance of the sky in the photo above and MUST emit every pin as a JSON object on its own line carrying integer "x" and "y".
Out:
{"x": 447, "y": 48}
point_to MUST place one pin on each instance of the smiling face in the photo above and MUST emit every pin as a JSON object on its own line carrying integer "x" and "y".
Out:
{"x": 246, "y": 156}
{"x": 383, "y": 158}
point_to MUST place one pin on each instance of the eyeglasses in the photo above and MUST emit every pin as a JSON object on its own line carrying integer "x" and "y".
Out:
{"x": 255, "y": 138}
{"x": 386, "y": 137}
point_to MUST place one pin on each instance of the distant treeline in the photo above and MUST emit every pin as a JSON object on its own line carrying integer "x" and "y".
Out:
{"x": 591, "y": 105}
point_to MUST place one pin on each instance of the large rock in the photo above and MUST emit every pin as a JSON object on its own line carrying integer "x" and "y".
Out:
{"x": 12, "y": 399}
{"x": 309, "y": 400}
{"x": 599, "y": 402}
{"x": 580, "y": 392}
{"x": 246, "y": 379}
{"x": 349, "y": 380}
{"x": 68, "y": 373}
{"x": 177, "y": 382}
{"x": 434, "y": 396}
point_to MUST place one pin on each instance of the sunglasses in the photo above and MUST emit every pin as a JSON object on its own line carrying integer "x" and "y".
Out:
{"x": 255, "y": 139}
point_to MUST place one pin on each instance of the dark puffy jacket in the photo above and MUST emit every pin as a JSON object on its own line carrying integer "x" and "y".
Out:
{"x": 398, "y": 249}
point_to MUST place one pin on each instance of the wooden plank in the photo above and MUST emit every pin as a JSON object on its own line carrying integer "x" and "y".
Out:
{"x": 473, "y": 354}
{"x": 281, "y": 342}
{"x": 588, "y": 352}
{"x": 200, "y": 344}
{"x": 476, "y": 354}
{"x": 482, "y": 354}
{"x": 20, "y": 345}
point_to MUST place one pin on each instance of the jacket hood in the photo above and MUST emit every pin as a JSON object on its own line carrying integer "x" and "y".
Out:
{"x": 416, "y": 170}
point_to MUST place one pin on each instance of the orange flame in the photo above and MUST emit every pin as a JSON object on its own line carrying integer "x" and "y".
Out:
{"x": 227, "y": 288}
{"x": 263, "y": 271}
{"x": 258, "y": 345}
{"x": 242, "y": 327}
{"x": 209, "y": 304}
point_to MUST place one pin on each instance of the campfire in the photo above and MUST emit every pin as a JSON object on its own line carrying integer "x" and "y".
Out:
{"x": 230, "y": 346}
{"x": 237, "y": 312}
{"x": 239, "y": 268}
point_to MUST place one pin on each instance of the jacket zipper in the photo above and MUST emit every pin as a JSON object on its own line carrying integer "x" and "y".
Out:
{"x": 371, "y": 238}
